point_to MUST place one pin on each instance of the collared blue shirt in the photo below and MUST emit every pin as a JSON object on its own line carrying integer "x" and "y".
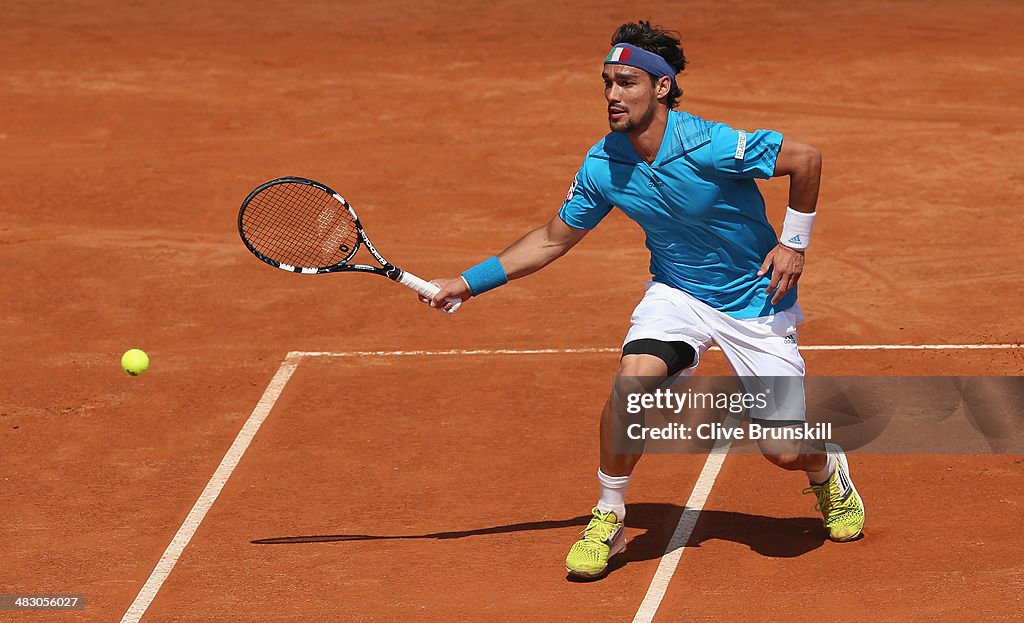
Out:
{"x": 697, "y": 202}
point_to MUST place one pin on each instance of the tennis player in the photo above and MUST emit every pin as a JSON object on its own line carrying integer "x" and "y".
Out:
{"x": 720, "y": 273}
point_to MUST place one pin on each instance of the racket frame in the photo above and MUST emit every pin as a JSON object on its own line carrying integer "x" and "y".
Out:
{"x": 386, "y": 268}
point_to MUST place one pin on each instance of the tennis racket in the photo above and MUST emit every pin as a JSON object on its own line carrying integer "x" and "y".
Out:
{"x": 302, "y": 226}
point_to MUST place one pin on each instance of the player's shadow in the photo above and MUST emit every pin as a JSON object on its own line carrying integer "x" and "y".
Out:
{"x": 773, "y": 537}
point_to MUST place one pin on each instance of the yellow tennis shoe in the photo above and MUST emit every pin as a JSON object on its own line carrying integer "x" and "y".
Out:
{"x": 838, "y": 500}
{"x": 602, "y": 538}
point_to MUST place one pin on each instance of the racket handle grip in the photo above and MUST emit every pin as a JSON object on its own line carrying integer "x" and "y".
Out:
{"x": 425, "y": 288}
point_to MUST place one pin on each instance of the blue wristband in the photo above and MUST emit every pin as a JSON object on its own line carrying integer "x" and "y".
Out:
{"x": 485, "y": 276}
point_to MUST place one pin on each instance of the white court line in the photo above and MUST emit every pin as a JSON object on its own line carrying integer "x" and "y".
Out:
{"x": 606, "y": 349}
{"x": 677, "y": 544}
{"x": 478, "y": 351}
{"x": 210, "y": 493}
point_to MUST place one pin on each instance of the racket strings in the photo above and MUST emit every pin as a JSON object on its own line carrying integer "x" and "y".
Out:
{"x": 300, "y": 225}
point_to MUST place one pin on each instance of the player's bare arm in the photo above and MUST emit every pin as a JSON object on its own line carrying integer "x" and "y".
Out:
{"x": 534, "y": 251}
{"x": 802, "y": 163}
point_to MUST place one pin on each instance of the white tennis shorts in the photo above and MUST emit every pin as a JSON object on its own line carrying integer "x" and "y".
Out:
{"x": 755, "y": 347}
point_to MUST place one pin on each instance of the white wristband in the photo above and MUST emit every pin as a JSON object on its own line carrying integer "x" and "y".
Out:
{"x": 796, "y": 229}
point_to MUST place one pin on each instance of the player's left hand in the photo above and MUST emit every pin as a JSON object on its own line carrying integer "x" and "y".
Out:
{"x": 786, "y": 265}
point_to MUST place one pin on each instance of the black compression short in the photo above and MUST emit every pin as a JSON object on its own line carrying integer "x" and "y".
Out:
{"x": 676, "y": 355}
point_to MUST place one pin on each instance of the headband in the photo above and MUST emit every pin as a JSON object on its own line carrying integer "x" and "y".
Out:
{"x": 654, "y": 64}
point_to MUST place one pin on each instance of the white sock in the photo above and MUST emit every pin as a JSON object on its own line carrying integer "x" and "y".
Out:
{"x": 613, "y": 494}
{"x": 820, "y": 478}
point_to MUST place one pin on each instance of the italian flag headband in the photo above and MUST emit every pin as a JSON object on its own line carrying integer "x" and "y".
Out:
{"x": 654, "y": 64}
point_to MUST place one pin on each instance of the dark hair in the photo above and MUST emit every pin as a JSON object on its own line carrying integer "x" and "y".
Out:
{"x": 664, "y": 43}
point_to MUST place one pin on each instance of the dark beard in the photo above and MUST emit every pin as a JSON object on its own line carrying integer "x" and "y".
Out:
{"x": 632, "y": 122}
{"x": 624, "y": 127}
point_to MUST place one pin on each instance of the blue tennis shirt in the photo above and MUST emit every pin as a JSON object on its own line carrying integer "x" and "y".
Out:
{"x": 698, "y": 204}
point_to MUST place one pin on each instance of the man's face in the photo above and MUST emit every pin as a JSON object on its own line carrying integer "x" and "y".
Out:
{"x": 631, "y": 97}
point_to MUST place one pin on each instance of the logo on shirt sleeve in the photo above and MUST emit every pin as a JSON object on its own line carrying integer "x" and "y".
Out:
{"x": 572, "y": 188}
{"x": 741, "y": 144}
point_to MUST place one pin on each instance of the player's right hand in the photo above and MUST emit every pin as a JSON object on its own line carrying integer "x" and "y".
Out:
{"x": 450, "y": 289}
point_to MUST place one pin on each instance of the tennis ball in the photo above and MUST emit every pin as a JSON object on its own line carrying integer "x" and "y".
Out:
{"x": 135, "y": 362}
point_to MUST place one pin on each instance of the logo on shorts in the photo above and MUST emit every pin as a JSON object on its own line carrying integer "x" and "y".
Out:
{"x": 791, "y": 339}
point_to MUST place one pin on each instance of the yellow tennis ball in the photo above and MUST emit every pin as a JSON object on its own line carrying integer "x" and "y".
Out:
{"x": 135, "y": 362}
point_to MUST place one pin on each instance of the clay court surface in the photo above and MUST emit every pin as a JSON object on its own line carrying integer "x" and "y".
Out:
{"x": 449, "y": 485}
